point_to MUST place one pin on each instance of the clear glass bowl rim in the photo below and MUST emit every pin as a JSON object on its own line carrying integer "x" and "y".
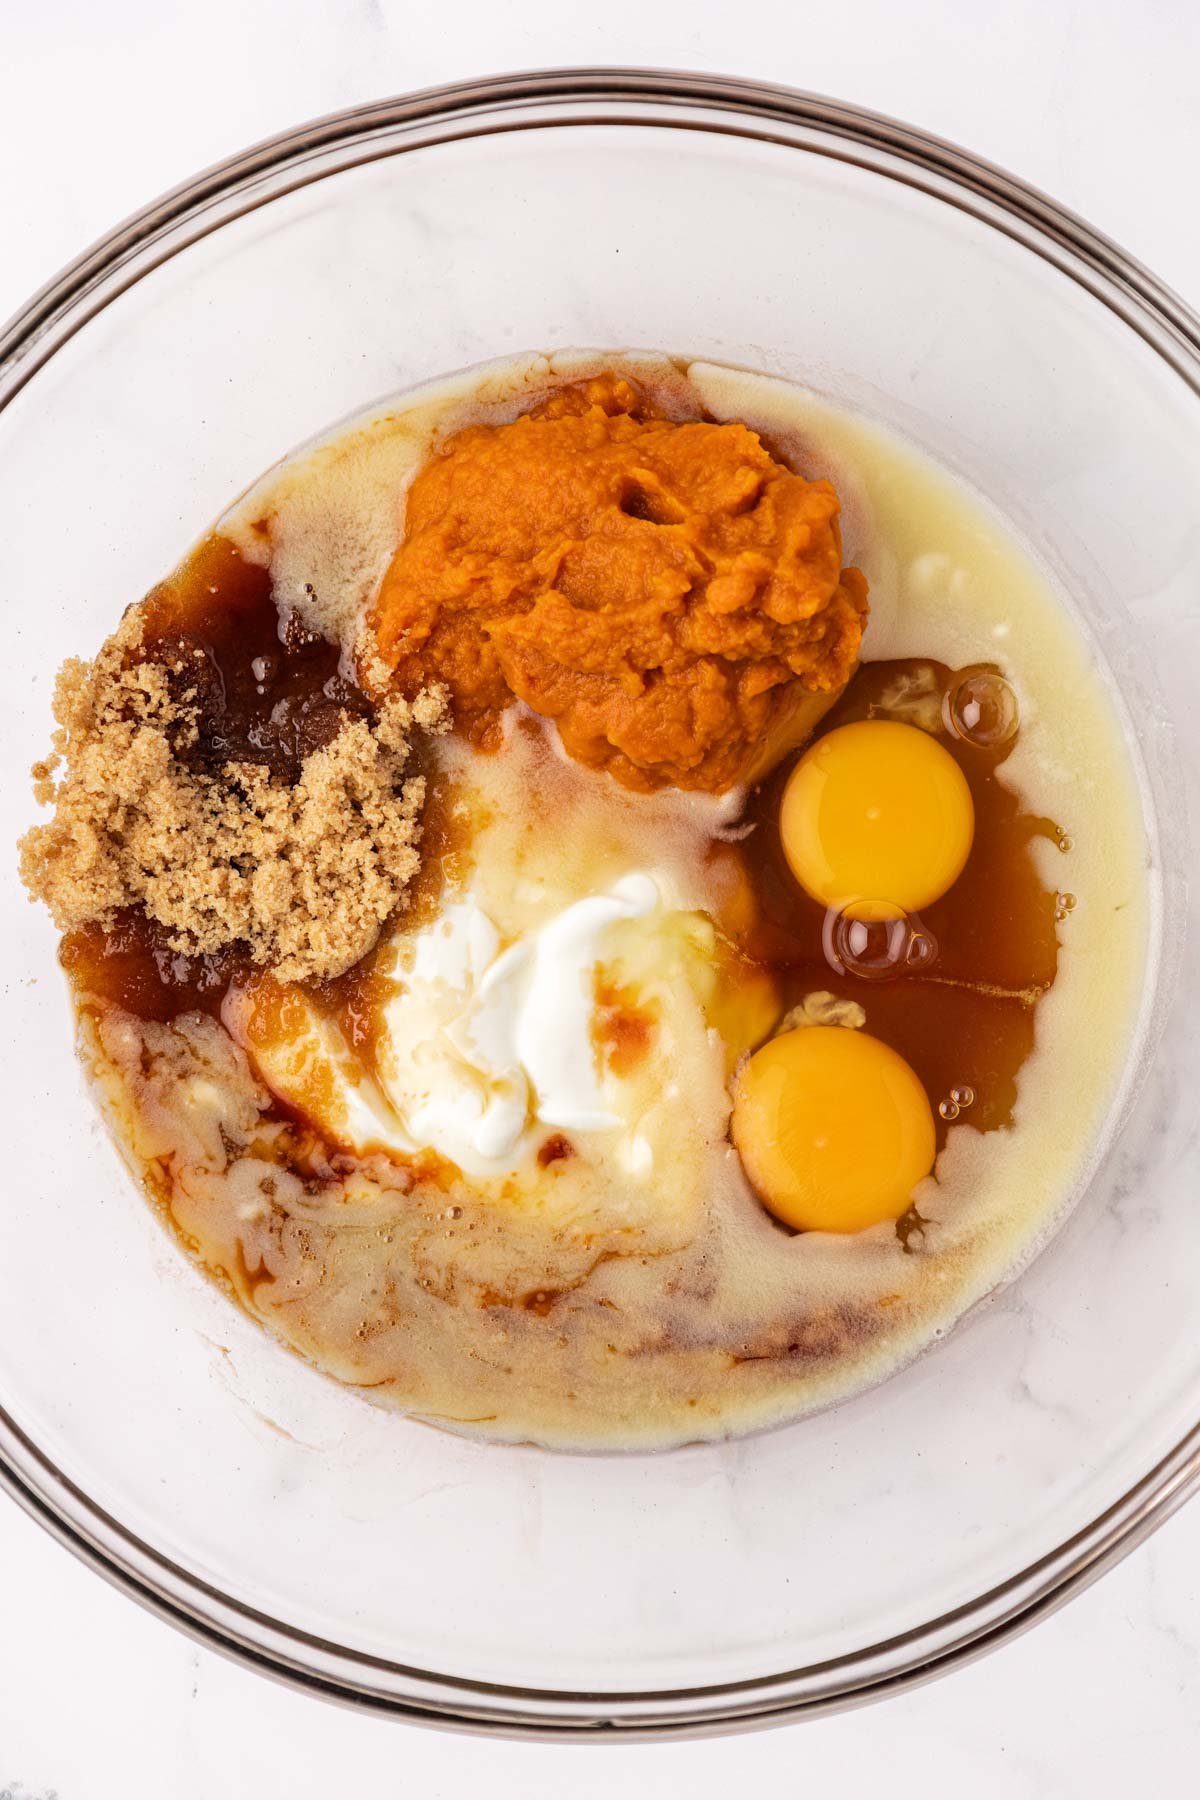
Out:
{"x": 254, "y": 177}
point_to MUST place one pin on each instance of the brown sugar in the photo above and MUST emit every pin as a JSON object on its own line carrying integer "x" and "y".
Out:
{"x": 298, "y": 869}
{"x": 669, "y": 593}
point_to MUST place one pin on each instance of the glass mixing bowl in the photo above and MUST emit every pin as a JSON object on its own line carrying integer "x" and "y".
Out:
{"x": 154, "y": 1429}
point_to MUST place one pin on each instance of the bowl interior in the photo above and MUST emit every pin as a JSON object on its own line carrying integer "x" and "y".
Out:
{"x": 225, "y": 1455}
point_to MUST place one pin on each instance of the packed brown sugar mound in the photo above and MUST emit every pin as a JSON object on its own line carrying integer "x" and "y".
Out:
{"x": 668, "y": 593}
{"x": 297, "y": 874}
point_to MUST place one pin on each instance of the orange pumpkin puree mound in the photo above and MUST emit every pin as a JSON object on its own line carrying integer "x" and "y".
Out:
{"x": 668, "y": 593}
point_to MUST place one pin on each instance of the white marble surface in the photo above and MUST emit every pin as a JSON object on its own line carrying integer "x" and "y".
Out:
{"x": 100, "y": 109}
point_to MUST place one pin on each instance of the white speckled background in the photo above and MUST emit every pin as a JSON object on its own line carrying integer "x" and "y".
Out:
{"x": 102, "y": 107}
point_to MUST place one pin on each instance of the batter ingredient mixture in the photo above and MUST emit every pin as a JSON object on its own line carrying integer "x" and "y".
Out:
{"x": 536, "y": 966}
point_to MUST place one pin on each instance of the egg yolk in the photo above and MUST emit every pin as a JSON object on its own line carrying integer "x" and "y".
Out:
{"x": 833, "y": 1127}
{"x": 877, "y": 819}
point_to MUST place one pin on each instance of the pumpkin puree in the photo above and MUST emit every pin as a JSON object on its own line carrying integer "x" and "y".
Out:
{"x": 668, "y": 593}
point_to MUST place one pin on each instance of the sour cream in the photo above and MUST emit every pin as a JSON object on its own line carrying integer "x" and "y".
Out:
{"x": 486, "y": 1046}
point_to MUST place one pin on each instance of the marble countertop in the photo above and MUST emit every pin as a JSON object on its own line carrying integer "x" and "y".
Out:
{"x": 101, "y": 108}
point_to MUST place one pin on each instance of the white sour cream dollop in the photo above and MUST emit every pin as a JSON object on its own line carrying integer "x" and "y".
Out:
{"x": 486, "y": 1045}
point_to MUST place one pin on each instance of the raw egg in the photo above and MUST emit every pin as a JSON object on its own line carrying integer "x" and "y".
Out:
{"x": 833, "y": 1127}
{"x": 877, "y": 819}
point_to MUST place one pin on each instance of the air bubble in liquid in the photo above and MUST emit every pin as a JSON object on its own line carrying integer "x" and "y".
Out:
{"x": 1063, "y": 904}
{"x": 949, "y": 1109}
{"x": 922, "y": 946}
{"x": 872, "y": 949}
{"x": 876, "y": 949}
{"x": 963, "y": 1096}
{"x": 982, "y": 710}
